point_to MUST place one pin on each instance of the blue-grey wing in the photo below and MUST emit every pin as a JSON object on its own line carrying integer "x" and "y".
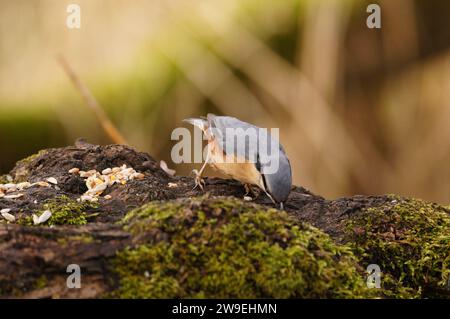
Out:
{"x": 244, "y": 139}
{"x": 235, "y": 136}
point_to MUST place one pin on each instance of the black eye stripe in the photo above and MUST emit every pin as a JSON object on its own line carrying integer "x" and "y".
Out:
{"x": 258, "y": 167}
{"x": 258, "y": 164}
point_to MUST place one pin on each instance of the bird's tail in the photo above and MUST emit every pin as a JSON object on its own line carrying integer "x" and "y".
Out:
{"x": 200, "y": 123}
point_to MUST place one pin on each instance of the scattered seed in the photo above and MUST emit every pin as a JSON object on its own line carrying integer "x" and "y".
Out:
{"x": 98, "y": 189}
{"x": 137, "y": 176}
{"x": 94, "y": 182}
{"x": 166, "y": 169}
{"x": 52, "y": 180}
{"x": 172, "y": 185}
{"x": 23, "y": 185}
{"x": 44, "y": 217}
{"x": 6, "y": 215}
{"x": 86, "y": 198}
{"x": 83, "y": 174}
{"x": 74, "y": 170}
{"x": 35, "y": 219}
{"x": 9, "y": 186}
{"x": 13, "y": 196}
{"x": 5, "y": 210}
{"x": 248, "y": 198}
{"x": 107, "y": 197}
{"x": 9, "y": 178}
{"x": 97, "y": 182}
{"x": 42, "y": 184}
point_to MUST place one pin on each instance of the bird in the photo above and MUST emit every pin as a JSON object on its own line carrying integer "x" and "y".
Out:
{"x": 248, "y": 161}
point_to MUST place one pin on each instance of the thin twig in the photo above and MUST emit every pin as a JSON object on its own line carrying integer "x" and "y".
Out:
{"x": 107, "y": 125}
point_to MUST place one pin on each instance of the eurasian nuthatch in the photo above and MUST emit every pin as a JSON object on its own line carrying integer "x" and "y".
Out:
{"x": 249, "y": 161}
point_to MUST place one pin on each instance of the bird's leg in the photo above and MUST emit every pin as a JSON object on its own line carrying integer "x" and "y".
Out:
{"x": 199, "y": 181}
{"x": 249, "y": 189}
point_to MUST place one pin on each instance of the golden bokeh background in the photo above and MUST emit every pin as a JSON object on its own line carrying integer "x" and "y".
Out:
{"x": 360, "y": 111}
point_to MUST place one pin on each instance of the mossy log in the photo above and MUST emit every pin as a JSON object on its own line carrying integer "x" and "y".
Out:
{"x": 157, "y": 237}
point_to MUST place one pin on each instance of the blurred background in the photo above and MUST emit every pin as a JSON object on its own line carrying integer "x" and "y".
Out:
{"x": 360, "y": 111}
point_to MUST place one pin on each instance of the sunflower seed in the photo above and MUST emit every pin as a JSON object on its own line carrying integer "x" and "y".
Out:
{"x": 44, "y": 217}
{"x": 23, "y": 185}
{"x": 13, "y": 196}
{"x": 116, "y": 169}
{"x": 52, "y": 180}
{"x": 74, "y": 170}
{"x": 6, "y": 215}
{"x": 166, "y": 169}
{"x": 137, "y": 176}
{"x": 42, "y": 184}
{"x": 9, "y": 186}
{"x": 35, "y": 219}
{"x": 83, "y": 174}
{"x": 88, "y": 198}
{"x": 98, "y": 189}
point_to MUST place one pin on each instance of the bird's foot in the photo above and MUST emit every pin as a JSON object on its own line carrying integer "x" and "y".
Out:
{"x": 199, "y": 181}
{"x": 248, "y": 190}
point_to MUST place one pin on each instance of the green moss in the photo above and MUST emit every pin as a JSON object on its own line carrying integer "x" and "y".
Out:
{"x": 41, "y": 282}
{"x": 410, "y": 240}
{"x": 65, "y": 211}
{"x": 8, "y": 290}
{"x": 15, "y": 289}
{"x": 21, "y": 169}
{"x": 3, "y": 179}
{"x": 84, "y": 239}
{"x": 30, "y": 158}
{"x": 223, "y": 248}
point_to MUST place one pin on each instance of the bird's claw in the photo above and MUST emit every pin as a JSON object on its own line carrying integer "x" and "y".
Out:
{"x": 199, "y": 181}
{"x": 250, "y": 190}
